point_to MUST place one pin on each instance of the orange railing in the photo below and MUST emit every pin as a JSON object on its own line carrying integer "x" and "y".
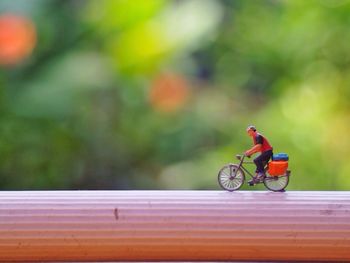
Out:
{"x": 174, "y": 225}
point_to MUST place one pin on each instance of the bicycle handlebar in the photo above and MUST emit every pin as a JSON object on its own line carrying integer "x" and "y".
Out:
{"x": 241, "y": 156}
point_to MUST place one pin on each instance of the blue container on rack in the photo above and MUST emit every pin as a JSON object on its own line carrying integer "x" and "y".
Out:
{"x": 280, "y": 157}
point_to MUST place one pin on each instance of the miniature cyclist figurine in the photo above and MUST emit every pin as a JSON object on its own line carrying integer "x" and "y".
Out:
{"x": 262, "y": 145}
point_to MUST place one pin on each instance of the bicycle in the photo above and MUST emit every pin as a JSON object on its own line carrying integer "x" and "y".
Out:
{"x": 232, "y": 176}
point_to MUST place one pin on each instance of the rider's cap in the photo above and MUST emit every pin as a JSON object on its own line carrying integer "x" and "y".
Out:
{"x": 251, "y": 127}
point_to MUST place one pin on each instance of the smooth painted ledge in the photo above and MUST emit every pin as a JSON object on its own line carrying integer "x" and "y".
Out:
{"x": 174, "y": 226}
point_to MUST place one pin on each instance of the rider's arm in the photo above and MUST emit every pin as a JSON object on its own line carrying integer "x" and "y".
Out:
{"x": 256, "y": 148}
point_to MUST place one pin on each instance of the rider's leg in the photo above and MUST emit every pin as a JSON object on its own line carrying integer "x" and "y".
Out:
{"x": 259, "y": 164}
{"x": 261, "y": 161}
{"x": 258, "y": 174}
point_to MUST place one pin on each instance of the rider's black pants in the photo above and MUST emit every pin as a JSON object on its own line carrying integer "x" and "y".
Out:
{"x": 262, "y": 160}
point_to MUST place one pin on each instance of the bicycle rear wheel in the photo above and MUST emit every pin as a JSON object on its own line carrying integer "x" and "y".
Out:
{"x": 276, "y": 183}
{"x": 231, "y": 177}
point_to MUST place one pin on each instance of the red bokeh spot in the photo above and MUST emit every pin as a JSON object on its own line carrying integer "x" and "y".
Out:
{"x": 169, "y": 93}
{"x": 17, "y": 38}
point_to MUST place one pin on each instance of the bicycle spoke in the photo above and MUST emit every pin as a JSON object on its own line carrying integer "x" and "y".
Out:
{"x": 225, "y": 173}
{"x": 227, "y": 184}
{"x": 225, "y": 177}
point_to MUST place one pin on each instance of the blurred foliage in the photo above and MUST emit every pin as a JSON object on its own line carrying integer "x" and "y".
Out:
{"x": 156, "y": 94}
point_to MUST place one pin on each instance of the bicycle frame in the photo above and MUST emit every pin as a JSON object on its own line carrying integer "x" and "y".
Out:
{"x": 241, "y": 158}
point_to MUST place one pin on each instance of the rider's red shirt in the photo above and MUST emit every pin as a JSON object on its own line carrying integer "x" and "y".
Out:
{"x": 259, "y": 139}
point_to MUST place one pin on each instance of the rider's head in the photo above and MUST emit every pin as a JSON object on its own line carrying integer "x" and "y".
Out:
{"x": 251, "y": 130}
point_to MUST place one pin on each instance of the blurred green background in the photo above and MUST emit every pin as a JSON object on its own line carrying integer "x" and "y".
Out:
{"x": 157, "y": 94}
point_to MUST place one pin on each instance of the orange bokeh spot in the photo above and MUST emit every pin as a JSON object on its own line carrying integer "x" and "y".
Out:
{"x": 169, "y": 93}
{"x": 17, "y": 38}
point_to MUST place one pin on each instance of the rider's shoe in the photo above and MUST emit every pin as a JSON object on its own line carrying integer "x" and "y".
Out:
{"x": 251, "y": 182}
{"x": 258, "y": 178}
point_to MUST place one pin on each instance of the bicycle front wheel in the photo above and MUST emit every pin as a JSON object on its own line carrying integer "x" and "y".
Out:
{"x": 276, "y": 183}
{"x": 231, "y": 177}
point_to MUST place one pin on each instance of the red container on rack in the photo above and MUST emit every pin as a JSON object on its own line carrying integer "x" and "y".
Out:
{"x": 277, "y": 168}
